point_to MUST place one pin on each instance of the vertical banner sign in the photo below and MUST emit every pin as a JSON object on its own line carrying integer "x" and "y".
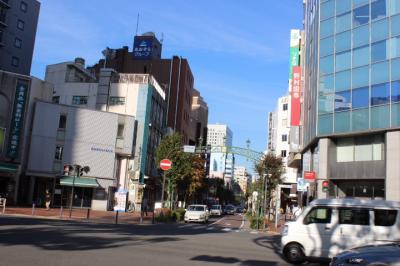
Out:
{"x": 294, "y": 50}
{"x": 296, "y": 96}
{"x": 17, "y": 120}
{"x": 2, "y": 138}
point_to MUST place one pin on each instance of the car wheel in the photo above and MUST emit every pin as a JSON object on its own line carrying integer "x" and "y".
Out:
{"x": 294, "y": 253}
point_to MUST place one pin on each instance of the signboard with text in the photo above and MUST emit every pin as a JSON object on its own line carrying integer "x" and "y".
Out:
{"x": 142, "y": 48}
{"x": 296, "y": 97}
{"x": 294, "y": 50}
{"x": 17, "y": 121}
{"x": 120, "y": 200}
{"x": 309, "y": 176}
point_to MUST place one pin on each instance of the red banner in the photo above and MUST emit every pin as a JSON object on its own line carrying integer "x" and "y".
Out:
{"x": 296, "y": 97}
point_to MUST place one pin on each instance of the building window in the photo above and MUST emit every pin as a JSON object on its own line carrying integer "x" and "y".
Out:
{"x": 62, "y": 122}
{"x": 59, "y": 153}
{"x": 117, "y": 100}
{"x": 285, "y": 106}
{"x": 342, "y": 101}
{"x": 284, "y": 137}
{"x": 79, "y": 100}
{"x": 56, "y": 99}
{"x": 15, "y": 61}
{"x": 23, "y": 6}
{"x": 20, "y": 24}
{"x": 380, "y": 94}
{"x": 283, "y": 153}
{"x": 361, "y": 16}
{"x": 17, "y": 42}
{"x": 120, "y": 132}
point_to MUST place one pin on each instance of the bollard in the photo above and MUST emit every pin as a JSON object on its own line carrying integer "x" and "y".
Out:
{"x": 87, "y": 214}
{"x": 61, "y": 212}
{"x": 116, "y": 217}
{"x": 33, "y": 209}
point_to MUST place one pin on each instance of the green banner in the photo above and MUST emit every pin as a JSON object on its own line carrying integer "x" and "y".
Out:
{"x": 2, "y": 138}
{"x": 294, "y": 59}
{"x": 17, "y": 121}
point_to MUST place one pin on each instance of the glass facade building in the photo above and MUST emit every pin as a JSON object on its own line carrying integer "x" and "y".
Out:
{"x": 359, "y": 66}
{"x": 351, "y": 101}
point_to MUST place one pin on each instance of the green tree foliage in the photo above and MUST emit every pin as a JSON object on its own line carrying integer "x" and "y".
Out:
{"x": 270, "y": 169}
{"x": 186, "y": 177}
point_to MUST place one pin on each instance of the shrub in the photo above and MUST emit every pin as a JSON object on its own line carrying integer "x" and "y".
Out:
{"x": 253, "y": 222}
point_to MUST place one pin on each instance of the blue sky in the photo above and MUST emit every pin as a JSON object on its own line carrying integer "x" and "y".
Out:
{"x": 238, "y": 50}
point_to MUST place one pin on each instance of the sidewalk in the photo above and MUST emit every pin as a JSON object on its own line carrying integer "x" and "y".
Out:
{"x": 108, "y": 217}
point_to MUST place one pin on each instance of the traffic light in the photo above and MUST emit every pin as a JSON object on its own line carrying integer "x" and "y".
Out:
{"x": 325, "y": 186}
{"x": 68, "y": 169}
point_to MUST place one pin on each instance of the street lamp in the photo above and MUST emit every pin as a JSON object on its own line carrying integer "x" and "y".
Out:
{"x": 78, "y": 172}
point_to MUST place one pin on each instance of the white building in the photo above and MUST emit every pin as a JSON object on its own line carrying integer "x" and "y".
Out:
{"x": 280, "y": 140}
{"x": 241, "y": 177}
{"x": 221, "y": 163}
{"x": 67, "y": 135}
{"x": 137, "y": 95}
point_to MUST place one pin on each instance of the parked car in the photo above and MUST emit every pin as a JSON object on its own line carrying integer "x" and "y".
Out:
{"x": 239, "y": 209}
{"x": 196, "y": 213}
{"x": 229, "y": 209}
{"x": 383, "y": 255}
{"x": 329, "y": 226}
{"x": 216, "y": 210}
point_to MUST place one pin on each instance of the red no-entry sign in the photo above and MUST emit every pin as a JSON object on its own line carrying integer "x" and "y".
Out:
{"x": 165, "y": 164}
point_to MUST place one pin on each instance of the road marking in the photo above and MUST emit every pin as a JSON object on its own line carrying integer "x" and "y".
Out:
{"x": 254, "y": 232}
{"x": 217, "y": 221}
{"x": 228, "y": 224}
{"x": 227, "y": 229}
{"x": 210, "y": 228}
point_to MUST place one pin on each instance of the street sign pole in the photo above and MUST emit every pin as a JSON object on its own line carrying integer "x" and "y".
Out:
{"x": 165, "y": 165}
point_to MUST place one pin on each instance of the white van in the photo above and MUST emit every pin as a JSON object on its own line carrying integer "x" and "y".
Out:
{"x": 329, "y": 226}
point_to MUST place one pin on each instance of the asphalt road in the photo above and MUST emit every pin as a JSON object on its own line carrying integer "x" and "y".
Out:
{"x": 26, "y": 241}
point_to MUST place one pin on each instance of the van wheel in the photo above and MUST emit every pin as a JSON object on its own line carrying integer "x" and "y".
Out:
{"x": 294, "y": 253}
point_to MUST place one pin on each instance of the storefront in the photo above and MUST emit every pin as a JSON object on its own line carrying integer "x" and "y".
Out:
{"x": 8, "y": 173}
{"x": 82, "y": 189}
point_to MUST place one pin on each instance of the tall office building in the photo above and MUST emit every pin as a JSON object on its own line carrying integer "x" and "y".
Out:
{"x": 352, "y": 97}
{"x": 221, "y": 163}
{"x": 18, "y": 23}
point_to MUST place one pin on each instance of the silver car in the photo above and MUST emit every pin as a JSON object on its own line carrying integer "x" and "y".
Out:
{"x": 196, "y": 213}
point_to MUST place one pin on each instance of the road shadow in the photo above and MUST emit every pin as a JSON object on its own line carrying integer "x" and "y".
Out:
{"x": 71, "y": 236}
{"x": 231, "y": 260}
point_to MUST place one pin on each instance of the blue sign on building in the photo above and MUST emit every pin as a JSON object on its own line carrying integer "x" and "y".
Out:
{"x": 142, "y": 49}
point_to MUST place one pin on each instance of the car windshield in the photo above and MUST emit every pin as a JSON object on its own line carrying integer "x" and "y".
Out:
{"x": 196, "y": 208}
{"x": 215, "y": 207}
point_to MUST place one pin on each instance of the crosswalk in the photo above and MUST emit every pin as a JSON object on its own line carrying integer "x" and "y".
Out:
{"x": 211, "y": 228}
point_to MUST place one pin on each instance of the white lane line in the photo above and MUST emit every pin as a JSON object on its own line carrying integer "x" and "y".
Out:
{"x": 217, "y": 221}
{"x": 254, "y": 232}
{"x": 227, "y": 229}
{"x": 210, "y": 228}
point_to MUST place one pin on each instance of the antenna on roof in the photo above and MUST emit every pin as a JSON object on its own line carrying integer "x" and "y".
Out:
{"x": 137, "y": 24}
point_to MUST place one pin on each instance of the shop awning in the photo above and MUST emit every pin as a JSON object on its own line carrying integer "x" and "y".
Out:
{"x": 79, "y": 181}
{"x": 8, "y": 168}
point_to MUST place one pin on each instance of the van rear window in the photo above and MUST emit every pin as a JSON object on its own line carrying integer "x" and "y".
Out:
{"x": 354, "y": 216}
{"x": 385, "y": 217}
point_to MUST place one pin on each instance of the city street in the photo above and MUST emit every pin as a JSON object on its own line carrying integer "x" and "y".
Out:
{"x": 27, "y": 241}
{"x": 47, "y": 242}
